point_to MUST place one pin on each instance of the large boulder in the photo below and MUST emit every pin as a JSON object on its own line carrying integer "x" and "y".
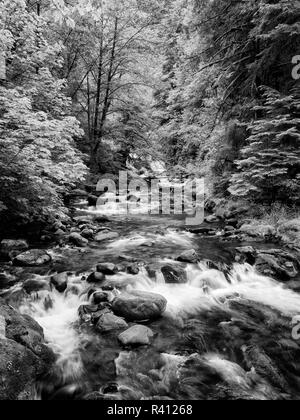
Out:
{"x": 174, "y": 275}
{"x": 78, "y": 240}
{"x": 109, "y": 322}
{"x": 189, "y": 256}
{"x": 138, "y": 335}
{"x": 19, "y": 371}
{"x": 60, "y": 282}
{"x": 96, "y": 278}
{"x": 139, "y": 306}
{"x": 102, "y": 297}
{"x": 277, "y": 263}
{"x": 24, "y": 357}
{"x": 106, "y": 235}
{"x": 32, "y": 258}
{"x": 107, "y": 269}
{"x": 256, "y": 358}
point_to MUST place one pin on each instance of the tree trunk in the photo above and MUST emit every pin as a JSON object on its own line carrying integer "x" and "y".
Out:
{"x": 106, "y": 104}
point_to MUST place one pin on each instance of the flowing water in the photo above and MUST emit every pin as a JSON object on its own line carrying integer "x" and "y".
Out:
{"x": 226, "y": 333}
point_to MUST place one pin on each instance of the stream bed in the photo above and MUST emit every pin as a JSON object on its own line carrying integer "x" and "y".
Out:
{"x": 226, "y": 332}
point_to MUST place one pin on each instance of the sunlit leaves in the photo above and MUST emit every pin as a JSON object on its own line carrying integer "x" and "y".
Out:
{"x": 38, "y": 158}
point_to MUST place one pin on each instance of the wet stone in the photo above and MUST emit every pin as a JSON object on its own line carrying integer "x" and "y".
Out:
{"x": 174, "y": 275}
{"x": 96, "y": 278}
{"x": 189, "y": 256}
{"x": 109, "y": 322}
{"x": 60, "y": 282}
{"x": 107, "y": 269}
{"x": 138, "y": 335}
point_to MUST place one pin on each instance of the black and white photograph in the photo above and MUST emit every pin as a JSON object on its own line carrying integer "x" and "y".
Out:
{"x": 149, "y": 203}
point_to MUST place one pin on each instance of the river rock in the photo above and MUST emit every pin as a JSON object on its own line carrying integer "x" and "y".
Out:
{"x": 264, "y": 366}
{"x": 232, "y": 222}
{"x": 32, "y": 258}
{"x": 7, "y": 280}
{"x": 60, "y": 282}
{"x": 19, "y": 371}
{"x": 246, "y": 254}
{"x": 139, "y": 306}
{"x": 10, "y": 248}
{"x": 75, "y": 230}
{"x": 58, "y": 226}
{"x": 109, "y": 322}
{"x": 132, "y": 268}
{"x": 59, "y": 234}
{"x": 229, "y": 229}
{"x": 103, "y": 308}
{"x": 35, "y": 285}
{"x": 14, "y": 245}
{"x": 138, "y": 335}
{"x": 92, "y": 200}
{"x": 100, "y": 297}
{"x": 24, "y": 357}
{"x": 96, "y": 278}
{"x": 106, "y": 235}
{"x": 277, "y": 263}
{"x": 82, "y": 220}
{"x": 101, "y": 219}
{"x": 174, "y": 275}
{"x": 78, "y": 240}
{"x": 85, "y": 312}
{"x": 189, "y": 256}
{"x": 107, "y": 269}
{"x": 211, "y": 219}
{"x": 87, "y": 233}
{"x": 200, "y": 230}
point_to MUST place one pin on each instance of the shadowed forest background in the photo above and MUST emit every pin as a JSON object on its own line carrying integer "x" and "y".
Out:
{"x": 91, "y": 87}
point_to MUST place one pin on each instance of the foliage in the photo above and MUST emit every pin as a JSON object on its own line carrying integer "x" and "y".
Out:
{"x": 109, "y": 50}
{"x": 38, "y": 157}
{"x": 270, "y": 164}
{"x": 218, "y": 55}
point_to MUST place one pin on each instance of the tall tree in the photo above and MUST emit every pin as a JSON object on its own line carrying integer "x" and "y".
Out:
{"x": 38, "y": 158}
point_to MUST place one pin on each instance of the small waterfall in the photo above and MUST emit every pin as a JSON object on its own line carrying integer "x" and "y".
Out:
{"x": 57, "y": 314}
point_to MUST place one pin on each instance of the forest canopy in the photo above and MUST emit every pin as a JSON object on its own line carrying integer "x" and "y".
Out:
{"x": 205, "y": 85}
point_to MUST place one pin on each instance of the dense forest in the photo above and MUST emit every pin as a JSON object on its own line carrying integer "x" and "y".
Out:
{"x": 205, "y": 86}
{"x": 109, "y": 305}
